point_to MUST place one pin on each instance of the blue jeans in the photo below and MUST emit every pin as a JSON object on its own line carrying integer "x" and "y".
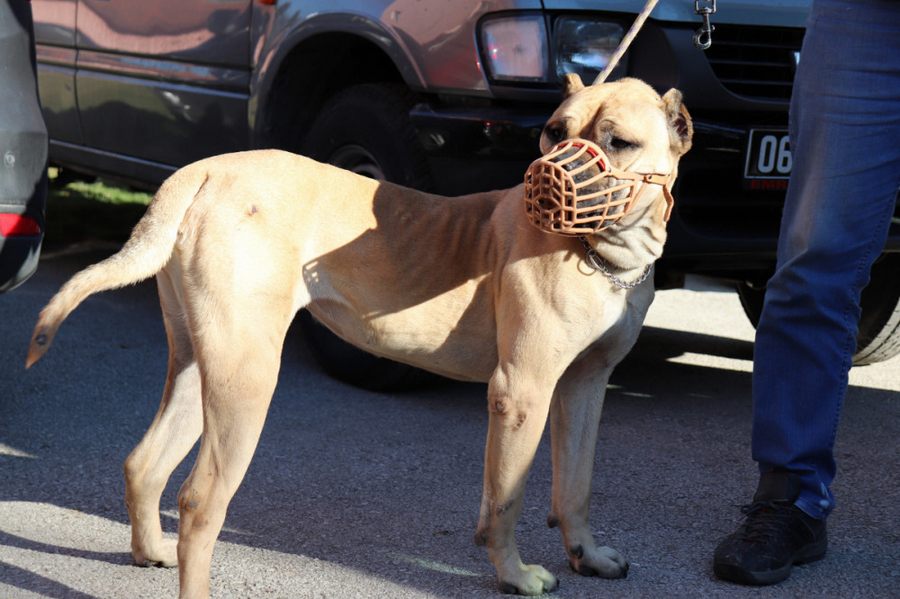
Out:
{"x": 845, "y": 137}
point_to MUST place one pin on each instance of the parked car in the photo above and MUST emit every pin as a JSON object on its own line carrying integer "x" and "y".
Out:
{"x": 23, "y": 149}
{"x": 445, "y": 96}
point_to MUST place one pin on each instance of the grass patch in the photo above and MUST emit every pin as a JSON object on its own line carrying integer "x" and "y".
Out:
{"x": 88, "y": 211}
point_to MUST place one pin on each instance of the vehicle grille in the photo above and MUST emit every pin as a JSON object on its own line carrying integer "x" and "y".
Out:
{"x": 756, "y": 62}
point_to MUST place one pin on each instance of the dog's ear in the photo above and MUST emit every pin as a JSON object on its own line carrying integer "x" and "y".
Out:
{"x": 681, "y": 128}
{"x": 571, "y": 84}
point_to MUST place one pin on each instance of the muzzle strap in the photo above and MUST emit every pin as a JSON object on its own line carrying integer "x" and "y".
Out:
{"x": 664, "y": 181}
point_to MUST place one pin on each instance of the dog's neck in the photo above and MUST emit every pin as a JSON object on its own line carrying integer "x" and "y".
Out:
{"x": 631, "y": 247}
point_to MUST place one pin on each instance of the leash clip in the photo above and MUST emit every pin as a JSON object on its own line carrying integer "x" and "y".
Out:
{"x": 703, "y": 36}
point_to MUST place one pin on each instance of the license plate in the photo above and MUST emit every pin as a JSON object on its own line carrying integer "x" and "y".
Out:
{"x": 768, "y": 164}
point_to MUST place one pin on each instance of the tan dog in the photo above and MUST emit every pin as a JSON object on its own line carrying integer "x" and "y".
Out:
{"x": 465, "y": 287}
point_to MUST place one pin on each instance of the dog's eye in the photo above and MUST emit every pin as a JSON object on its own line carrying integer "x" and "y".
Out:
{"x": 555, "y": 132}
{"x": 617, "y": 143}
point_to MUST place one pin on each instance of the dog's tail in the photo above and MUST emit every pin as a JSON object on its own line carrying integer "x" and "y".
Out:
{"x": 143, "y": 255}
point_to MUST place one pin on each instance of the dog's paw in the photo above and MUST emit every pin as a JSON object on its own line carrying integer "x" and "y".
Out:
{"x": 163, "y": 555}
{"x": 528, "y": 580}
{"x": 604, "y": 562}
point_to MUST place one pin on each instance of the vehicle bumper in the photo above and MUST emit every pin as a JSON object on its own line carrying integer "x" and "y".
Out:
{"x": 23, "y": 191}
{"x": 19, "y": 260}
{"x": 23, "y": 195}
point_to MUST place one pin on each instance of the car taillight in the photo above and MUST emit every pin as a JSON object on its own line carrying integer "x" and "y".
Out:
{"x": 17, "y": 225}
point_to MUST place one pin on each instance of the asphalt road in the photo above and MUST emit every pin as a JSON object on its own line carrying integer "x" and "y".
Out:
{"x": 358, "y": 494}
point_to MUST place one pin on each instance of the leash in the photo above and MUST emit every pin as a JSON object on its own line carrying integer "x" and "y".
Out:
{"x": 626, "y": 41}
{"x": 702, "y": 38}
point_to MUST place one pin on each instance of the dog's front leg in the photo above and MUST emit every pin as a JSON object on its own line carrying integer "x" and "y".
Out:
{"x": 574, "y": 420}
{"x": 518, "y": 407}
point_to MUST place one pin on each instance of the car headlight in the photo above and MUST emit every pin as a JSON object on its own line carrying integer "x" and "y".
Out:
{"x": 515, "y": 48}
{"x": 584, "y": 46}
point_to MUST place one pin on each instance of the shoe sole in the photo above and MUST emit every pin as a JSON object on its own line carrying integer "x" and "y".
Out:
{"x": 810, "y": 553}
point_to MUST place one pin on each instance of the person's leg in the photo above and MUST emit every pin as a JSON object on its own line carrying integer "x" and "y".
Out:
{"x": 845, "y": 129}
{"x": 845, "y": 126}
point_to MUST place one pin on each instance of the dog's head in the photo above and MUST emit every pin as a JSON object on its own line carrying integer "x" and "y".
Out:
{"x": 638, "y": 130}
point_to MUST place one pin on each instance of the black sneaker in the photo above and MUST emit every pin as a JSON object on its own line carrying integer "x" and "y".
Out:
{"x": 775, "y": 535}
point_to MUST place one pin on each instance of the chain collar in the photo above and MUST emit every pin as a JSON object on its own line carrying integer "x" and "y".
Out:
{"x": 598, "y": 263}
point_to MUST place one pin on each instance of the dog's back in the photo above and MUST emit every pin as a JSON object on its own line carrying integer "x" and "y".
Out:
{"x": 321, "y": 218}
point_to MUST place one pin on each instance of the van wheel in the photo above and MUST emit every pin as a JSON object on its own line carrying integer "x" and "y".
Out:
{"x": 879, "y": 325}
{"x": 366, "y": 129}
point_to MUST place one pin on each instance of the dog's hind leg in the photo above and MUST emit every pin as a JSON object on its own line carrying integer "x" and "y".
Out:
{"x": 574, "y": 420}
{"x": 174, "y": 431}
{"x": 518, "y": 406}
{"x": 239, "y": 350}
